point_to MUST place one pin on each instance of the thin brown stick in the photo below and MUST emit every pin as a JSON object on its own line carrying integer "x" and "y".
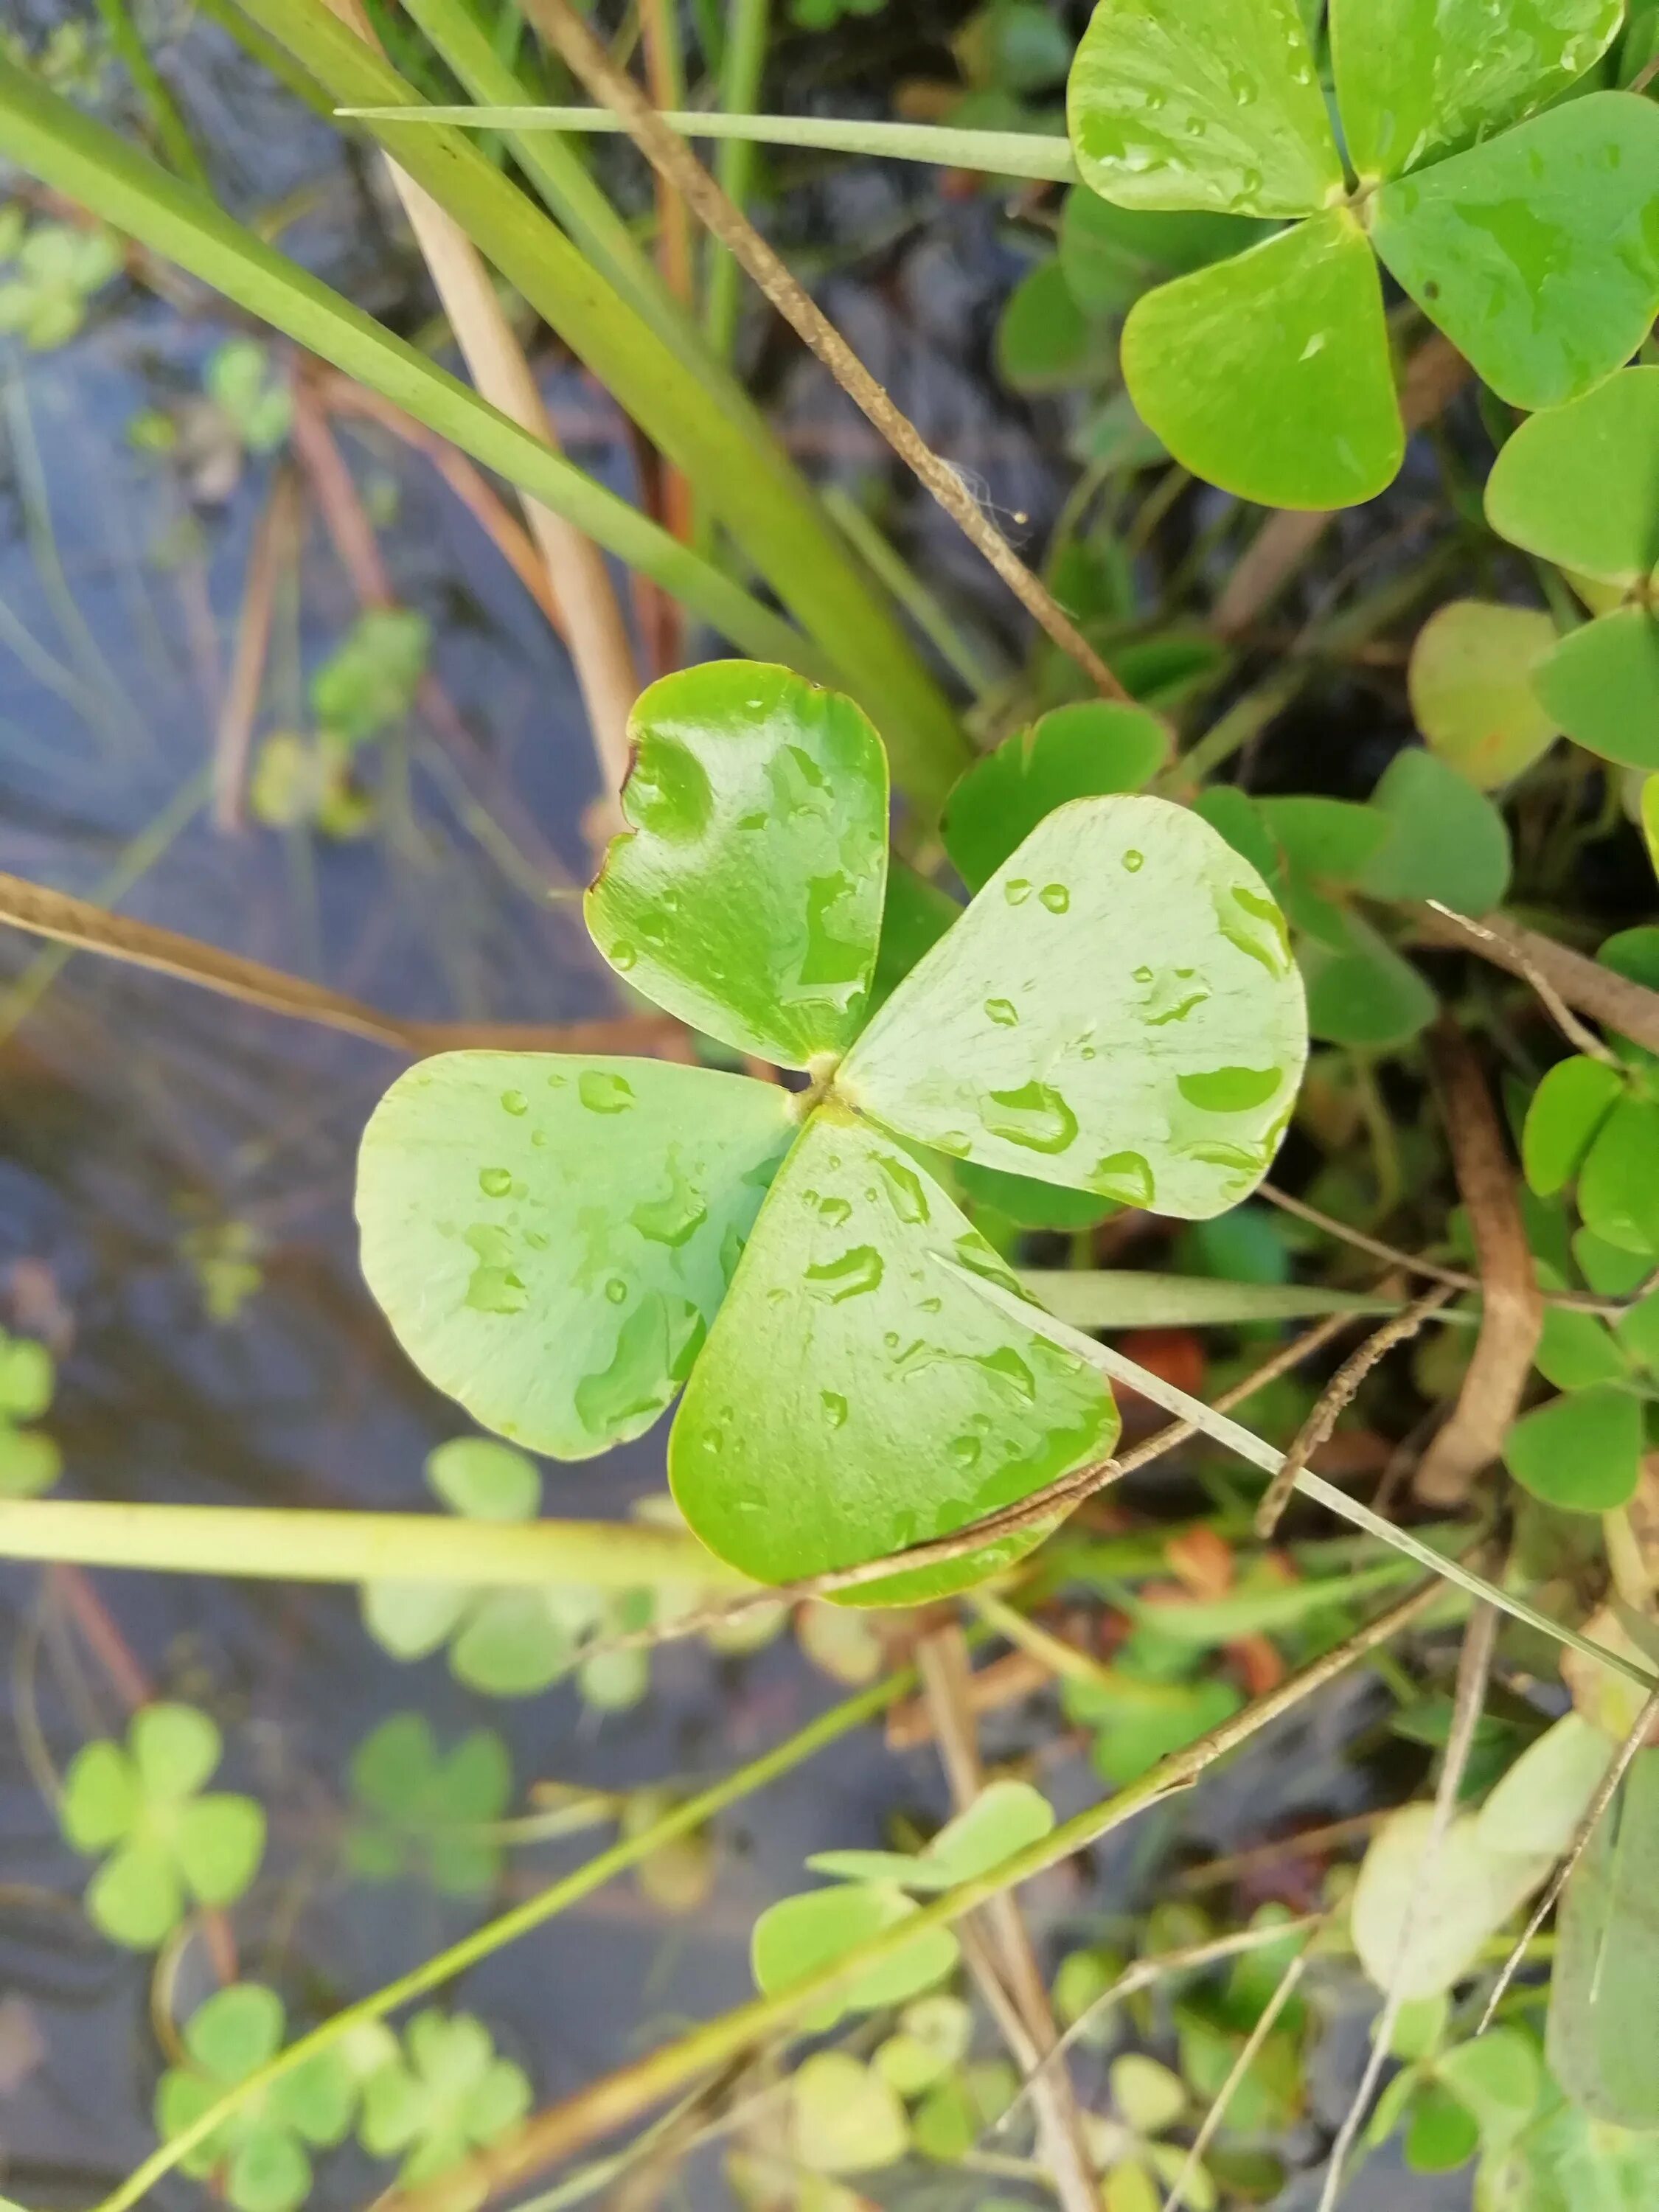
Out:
{"x": 1012, "y": 1972}
{"x": 674, "y": 160}
{"x": 1577, "y": 1035}
{"x": 1511, "y": 1311}
{"x": 275, "y": 541}
{"x": 1337, "y": 1396}
{"x": 67, "y": 920}
{"x": 1473, "y": 1667}
{"x": 1608, "y": 998}
{"x": 1595, "y": 1815}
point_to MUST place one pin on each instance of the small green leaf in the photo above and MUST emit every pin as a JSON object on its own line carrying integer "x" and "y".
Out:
{"x": 1579, "y": 485}
{"x": 175, "y": 1749}
{"x": 411, "y": 1619}
{"x": 1472, "y": 690}
{"x": 1498, "y": 2076}
{"x": 1603, "y": 2037}
{"x": 1601, "y": 685}
{"x": 1583, "y": 1452}
{"x": 1045, "y": 341}
{"x": 1150, "y": 2097}
{"x": 1619, "y": 1181}
{"x": 485, "y": 1480}
{"x": 746, "y": 898}
{"x": 1269, "y": 375}
{"x": 136, "y": 1896}
{"x": 1213, "y": 104}
{"x": 1444, "y": 840}
{"x": 28, "y": 1377}
{"x": 29, "y": 1461}
{"x": 268, "y": 2172}
{"x": 1537, "y": 253}
{"x": 1030, "y": 1204}
{"x": 1442, "y": 2133}
{"x": 1539, "y": 1803}
{"x": 102, "y": 1798}
{"x": 1567, "y": 1110}
{"x": 797, "y": 1936}
{"x": 918, "y": 1408}
{"x": 1366, "y": 994}
{"x": 1110, "y": 255}
{"x": 1074, "y": 752}
{"x": 219, "y": 1842}
{"x": 1421, "y": 77}
{"x": 1002, "y": 1819}
{"x": 1167, "y": 1082}
{"x": 1441, "y": 1915}
{"x": 234, "y": 2033}
{"x": 1330, "y": 841}
{"x": 371, "y": 678}
{"x": 550, "y": 1237}
{"x": 1577, "y": 1350}
{"x": 844, "y": 2118}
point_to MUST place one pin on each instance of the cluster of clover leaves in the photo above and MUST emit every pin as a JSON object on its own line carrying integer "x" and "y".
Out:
{"x": 1516, "y": 204}
{"x": 561, "y": 1244}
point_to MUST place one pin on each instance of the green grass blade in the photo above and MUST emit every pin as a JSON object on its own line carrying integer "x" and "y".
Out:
{"x": 1129, "y": 1298}
{"x": 1262, "y": 1454}
{"x": 743, "y": 479}
{"x": 747, "y": 24}
{"x": 1025, "y": 154}
{"x": 81, "y": 157}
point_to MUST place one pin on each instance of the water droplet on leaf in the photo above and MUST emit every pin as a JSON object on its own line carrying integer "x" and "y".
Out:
{"x": 601, "y": 1092}
{"x": 1133, "y": 861}
{"x": 850, "y": 1276}
{"x": 1055, "y": 897}
{"x": 514, "y": 1101}
{"x": 1003, "y": 1011}
{"x": 496, "y": 1183}
{"x": 1035, "y": 1115}
{"x": 1017, "y": 890}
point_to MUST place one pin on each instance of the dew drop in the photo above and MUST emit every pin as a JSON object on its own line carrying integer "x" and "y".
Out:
{"x": 835, "y": 1407}
{"x": 1243, "y": 88}
{"x": 616, "y": 1290}
{"x": 1017, "y": 890}
{"x": 835, "y": 1211}
{"x": 1055, "y": 897}
{"x": 1144, "y": 976}
{"x": 1126, "y": 1176}
{"x": 904, "y": 1190}
{"x": 1133, "y": 861}
{"x": 601, "y": 1092}
{"x": 496, "y": 1183}
{"x": 514, "y": 1101}
{"x": 1034, "y": 1116}
{"x": 852, "y": 1275}
{"x": 623, "y": 956}
{"x": 965, "y": 1451}
{"x": 1230, "y": 1090}
{"x": 1003, "y": 1011}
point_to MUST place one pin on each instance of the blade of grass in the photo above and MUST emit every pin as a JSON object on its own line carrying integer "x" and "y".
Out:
{"x": 81, "y": 157}
{"x": 130, "y": 50}
{"x": 1022, "y": 154}
{"x": 742, "y": 67}
{"x": 745, "y": 480}
{"x": 1132, "y": 1298}
{"x": 1260, "y": 1453}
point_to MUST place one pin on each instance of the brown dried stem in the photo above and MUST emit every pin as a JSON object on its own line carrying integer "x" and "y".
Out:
{"x": 1577, "y": 981}
{"x": 674, "y": 161}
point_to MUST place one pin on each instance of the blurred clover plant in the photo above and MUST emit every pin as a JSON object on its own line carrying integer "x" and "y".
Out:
{"x": 562, "y": 1243}
{"x": 29, "y": 1459}
{"x": 1522, "y": 221}
{"x": 167, "y": 1843}
{"x": 56, "y": 269}
{"x": 446, "y": 2092}
{"x": 425, "y": 1812}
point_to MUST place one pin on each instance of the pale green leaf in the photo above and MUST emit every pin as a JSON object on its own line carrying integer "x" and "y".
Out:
{"x": 1537, "y": 253}
{"x": 746, "y": 896}
{"x": 1150, "y": 2097}
{"x": 409, "y": 1620}
{"x": 27, "y": 1377}
{"x": 1165, "y": 1081}
{"x": 1563, "y": 2161}
{"x": 1472, "y": 691}
{"x": 1566, "y": 1111}
{"x": 799, "y": 1935}
{"x": 844, "y": 2118}
{"x": 1583, "y": 1452}
{"x": 220, "y": 1841}
{"x": 1498, "y": 2076}
{"x": 1619, "y": 1179}
{"x": 1601, "y": 685}
{"x": 175, "y": 1749}
{"x": 1579, "y": 485}
{"x": 1442, "y": 1912}
{"x": 1417, "y": 78}
{"x": 1213, "y": 104}
{"x": 1539, "y": 1803}
{"x": 485, "y": 1480}
{"x": 102, "y": 1796}
{"x": 136, "y": 1897}
{"x": 1075, "y": 752}
{"x": 234, "y": 2032}
{"x": 1577, "y": 1349}
{"x": 1005, "y": 1817}
{"x": 30, "y": 1461}
{"x": 550, "y": 1237}
{"x": 268, "y": 2172}
{"x": 1269, "y": 375}
{"x": 854, "y": 1397}
{"x": 1603, "y": 2040}
{"x": 1445, "y": 840}
{"x": 1132, "y": 1298}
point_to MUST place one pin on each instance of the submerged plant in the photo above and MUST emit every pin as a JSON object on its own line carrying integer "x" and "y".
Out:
{"x": 562, "y": 1243}
{"x": 1530, "y": 238}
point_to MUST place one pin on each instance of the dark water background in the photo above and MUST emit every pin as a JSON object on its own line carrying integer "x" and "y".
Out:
{"x": 134, "y": 1109}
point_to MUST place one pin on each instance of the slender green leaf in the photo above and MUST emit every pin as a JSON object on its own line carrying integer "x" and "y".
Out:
{"x": 1167, "y": 1082}
{"x": 550, "y": 1238}
{"x": 1269, "y": 375}
{"x": 1603, "y": 2037}
{"x": 1202, "y": 104}
{"x": 746, "y": 893}
{"x": 1421, "y": 77}
{"x": 1132, "y": 1298}
{"x": 1537, "y": 253}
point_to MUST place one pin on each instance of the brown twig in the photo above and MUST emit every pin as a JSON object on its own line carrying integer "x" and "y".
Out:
{"x": 1511, "y": 1311}
{"x": 1338, "y": 1395}
{"x": 275, "y": 543}
{"x": 674, "y": 160}
{"x": 67, "y": 920}
{"x": 1006, "y": 1968}
{"x": 1576, "y": 981}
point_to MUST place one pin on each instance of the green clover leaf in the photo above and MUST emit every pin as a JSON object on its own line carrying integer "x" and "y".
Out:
{"x": 1529, "y": 238}
{"x": 29, "y": 1459}
{"x": 563, "y": 1243}
{"x": 168, "y": 1844}
{"x": 446, "y": 2094}
{"x": 1580, "y": 486}
{"x": 426, "y": 1812}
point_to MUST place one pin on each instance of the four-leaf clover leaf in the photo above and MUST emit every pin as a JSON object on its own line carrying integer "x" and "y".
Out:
{"x": 168, "y": 1843}
{"x": 563, "y": 1242}
{"x": 260, "y": 2151}
{"x": 448, "y": 2095}
{"x": 1530, "y": 238}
